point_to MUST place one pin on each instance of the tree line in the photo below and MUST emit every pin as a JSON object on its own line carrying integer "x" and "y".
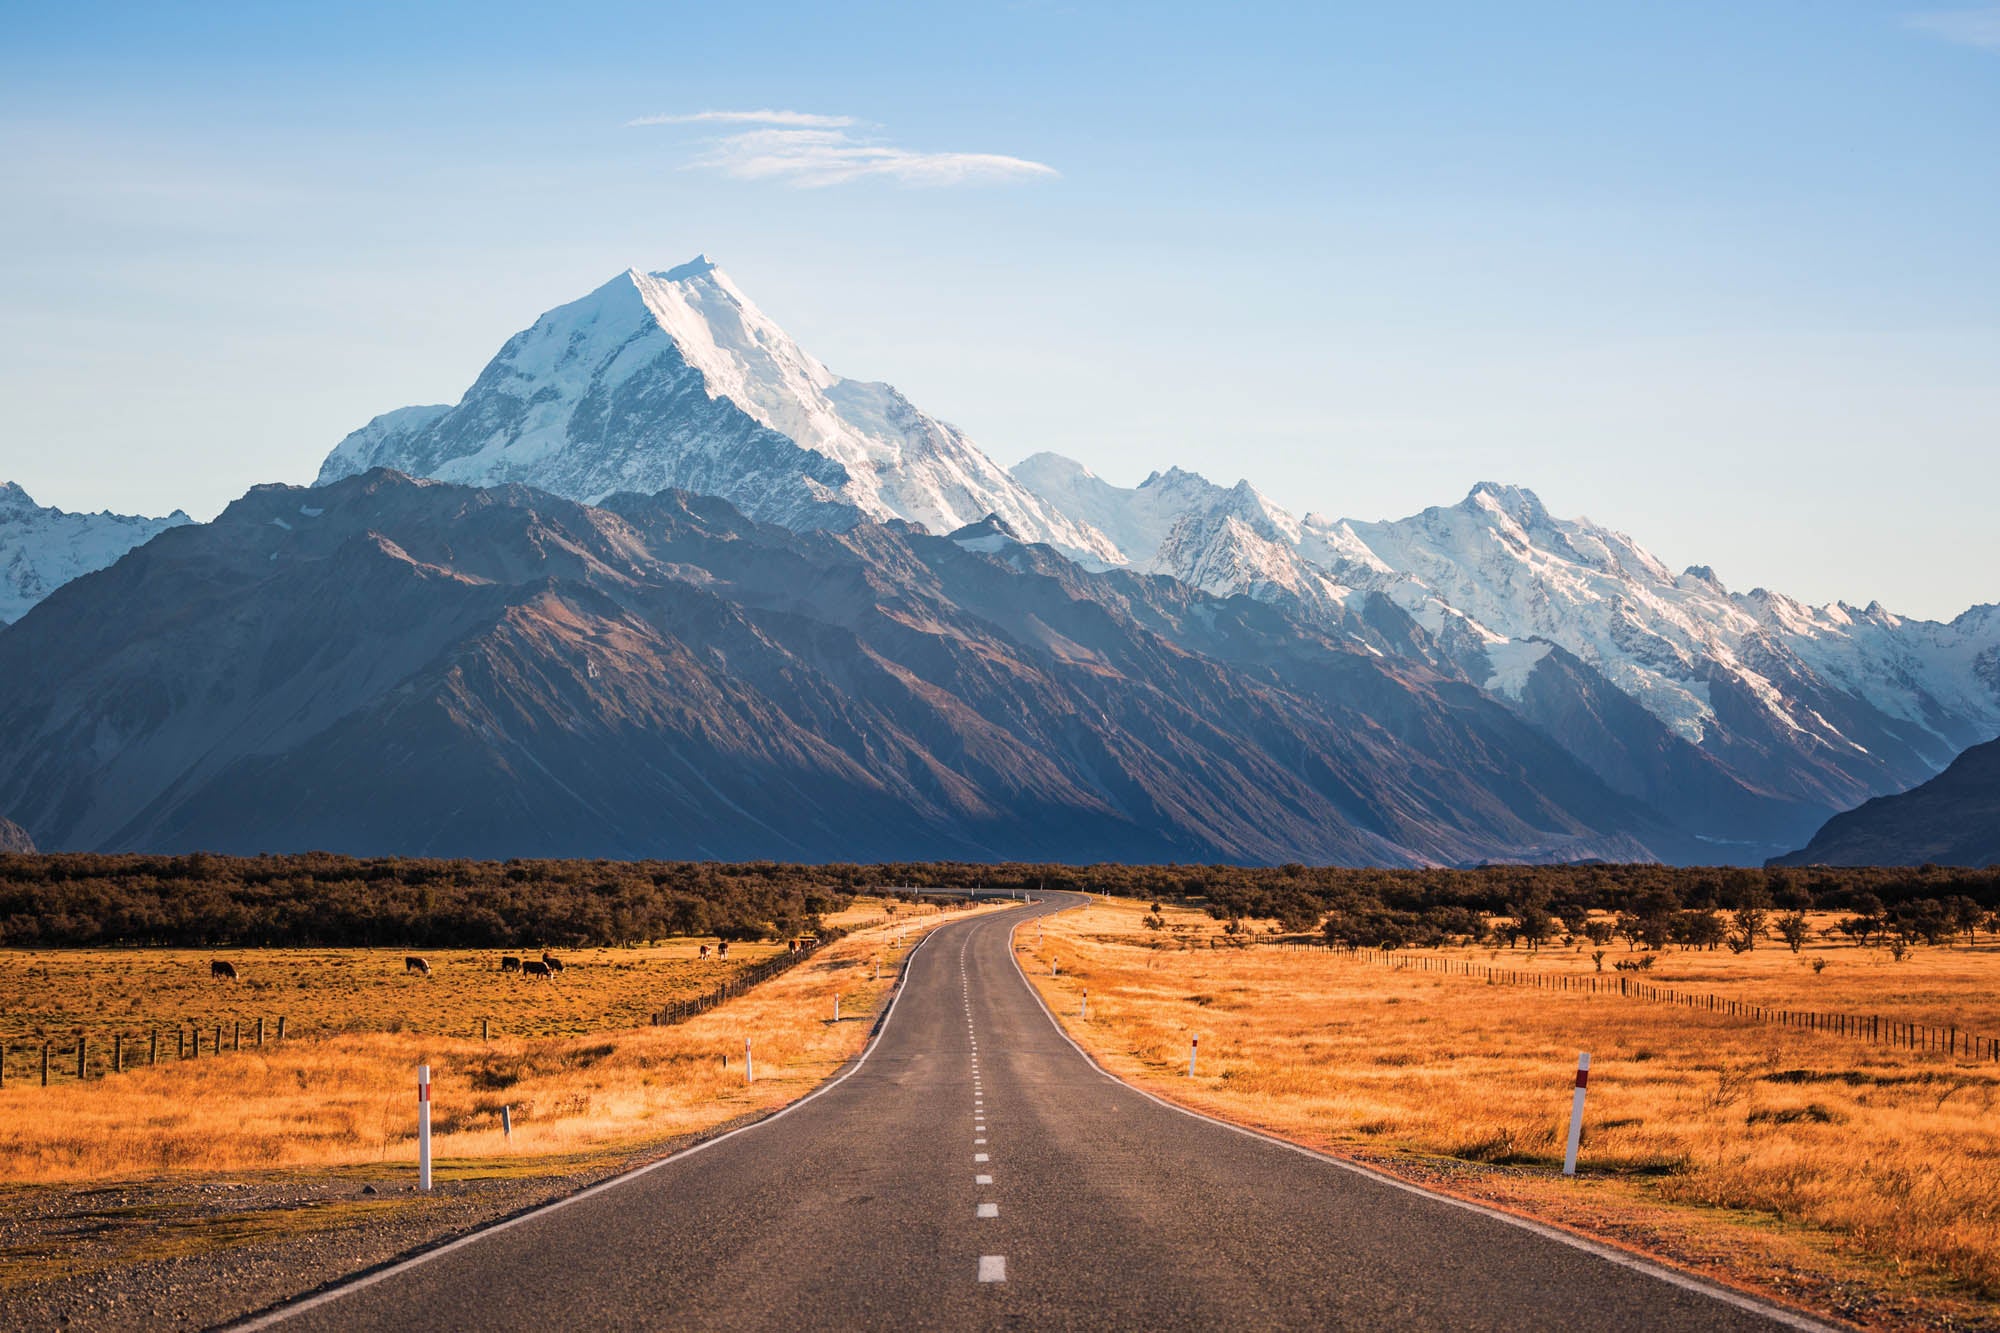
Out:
{"x": 322, "y": 899}
{"x": 318, "y": 899}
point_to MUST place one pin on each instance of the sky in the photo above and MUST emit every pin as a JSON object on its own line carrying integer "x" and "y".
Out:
{"x": 1723, "y": 276}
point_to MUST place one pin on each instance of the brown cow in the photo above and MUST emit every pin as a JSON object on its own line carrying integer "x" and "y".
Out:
{"x": 531, "y": 968}
{"x": 722, "y": 949}
{"x": 553, "y": 963}
{"x": 510, "y": 964}
{"x": 221, "y": 971}
{"x": 703, "y": 953}
{"x": 417, "y": 965}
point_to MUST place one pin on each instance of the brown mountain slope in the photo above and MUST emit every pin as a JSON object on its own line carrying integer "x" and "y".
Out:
{"x": 1954, "y": 820}
{"x": 384, "y": 665}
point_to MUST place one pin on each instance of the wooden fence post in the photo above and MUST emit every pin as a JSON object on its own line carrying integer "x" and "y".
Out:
{"x": 281, "y": 1027}
{"x": 260, "y": 1033}
{"x": 45, "y": 1064}
{"x": 117, "y": 1052}
{"x": 82, "y": 1048}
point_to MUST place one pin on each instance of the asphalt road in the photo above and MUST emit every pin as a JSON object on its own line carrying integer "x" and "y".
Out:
{"x": 975, "y": 1170}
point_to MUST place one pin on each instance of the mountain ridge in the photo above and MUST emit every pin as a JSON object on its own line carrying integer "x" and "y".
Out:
{"x": 424, "y": 667}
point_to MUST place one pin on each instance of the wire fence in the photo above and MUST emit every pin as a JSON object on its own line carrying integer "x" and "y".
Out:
{"x": 1941, "y": 1040}
{"x": 77, "y": 1058}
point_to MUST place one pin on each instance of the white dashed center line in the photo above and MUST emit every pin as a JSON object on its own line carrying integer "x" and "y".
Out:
{"x": 979, "y": 1156}
{"x": 992, "y": 1268}
{"x": 982, "y": 1180}
{"x": 989, "y": 1210}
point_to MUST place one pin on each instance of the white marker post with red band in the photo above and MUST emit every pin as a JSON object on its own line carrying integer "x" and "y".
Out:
{"x": 424, "y": 1127}
{"x": 1194, "y": 1045}
{"x": 1576, "y": 1113}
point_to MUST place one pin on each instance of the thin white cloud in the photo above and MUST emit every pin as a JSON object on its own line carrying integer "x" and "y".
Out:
{"x": 794, "y": 118}
{"x": 814, "y": 152}
{"x": 1967, "y": 27}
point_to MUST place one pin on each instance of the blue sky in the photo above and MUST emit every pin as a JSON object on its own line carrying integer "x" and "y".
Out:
{"x": 1721, "y": 275}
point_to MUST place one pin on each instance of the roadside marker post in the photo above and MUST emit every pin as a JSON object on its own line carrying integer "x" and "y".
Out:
{"x": 506, "y": 1122}
{"x": 836, "y": 1007}
{"x": 1084, "y": 1012}
{"x": 424, "y": 1128}
{"x": 1576, "y": 1113}
{"x": 1194, "y": 1045}
{"x": 749, "y": 1069}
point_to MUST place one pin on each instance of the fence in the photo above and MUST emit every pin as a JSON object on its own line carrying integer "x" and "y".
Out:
{"x": 79, "y": 1058}
{"x": 82, "y": 1057}
{"x": 1947, "y": 1040}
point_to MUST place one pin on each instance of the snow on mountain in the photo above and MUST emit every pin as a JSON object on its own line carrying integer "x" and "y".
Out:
{"x": 677, "y": 379}
{"x": 1867, "y": 699}
{"x": 42, "y": 548}
{"x": 989, "y": 536}
{"x": 1669, "y": 639}
{"x": 1221, "y": 539}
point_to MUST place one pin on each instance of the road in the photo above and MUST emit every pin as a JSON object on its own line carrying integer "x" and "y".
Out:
{"x": 974, "y": 1170}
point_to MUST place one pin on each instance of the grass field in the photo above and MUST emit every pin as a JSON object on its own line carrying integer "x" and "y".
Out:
{"x": 1788, "y": 1159}
{"x": 55, "y": 994}
{"x": 570, "y": 1059}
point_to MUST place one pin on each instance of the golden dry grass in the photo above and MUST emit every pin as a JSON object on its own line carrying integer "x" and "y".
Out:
{"x": 1859, "y": 1155}
{"x": 349, "y": 1098}
{"x": 54, "y": 994}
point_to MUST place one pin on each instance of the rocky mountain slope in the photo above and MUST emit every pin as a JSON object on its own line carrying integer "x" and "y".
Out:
{"x": 14, "y": 838}
{"x": 42, "y": 548}
{"x": 1953, "y": 819}
{"x": 403, "y": 666}
{"x": 1820, "y": 707}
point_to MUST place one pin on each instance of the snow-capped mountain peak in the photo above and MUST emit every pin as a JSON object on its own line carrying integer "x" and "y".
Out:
{"x": 42, "y": 547}
{"x": 676, "y": 378}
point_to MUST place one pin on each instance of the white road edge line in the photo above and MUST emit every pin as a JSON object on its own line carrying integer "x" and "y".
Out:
{"x": 366, "y": 1280}
{"x": 1686, "y": 1281}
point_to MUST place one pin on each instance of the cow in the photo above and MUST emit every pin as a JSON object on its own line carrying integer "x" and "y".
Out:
{"x": 722, "y": 949}
{"x": 417, "y": 965}
{"x": 221, "y": 971}
{"x": 552, "y": 963}
{"x": 531, "y": 968}
{"x": 703, "y": 953}
{"x": 510, "y": 964}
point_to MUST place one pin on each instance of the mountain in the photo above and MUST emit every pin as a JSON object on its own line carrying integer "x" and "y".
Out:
{"x": 394, "y": 665}
{"x": 1746, "y": 719}
{"x": 1953, "y": 819}
{"x": 14, "y": 838}
{"x": 1797, "y": 711}
{"x": 1723, "y": 725}
{"x": 675, "y": 379}
{"x": 42, "y": 548}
